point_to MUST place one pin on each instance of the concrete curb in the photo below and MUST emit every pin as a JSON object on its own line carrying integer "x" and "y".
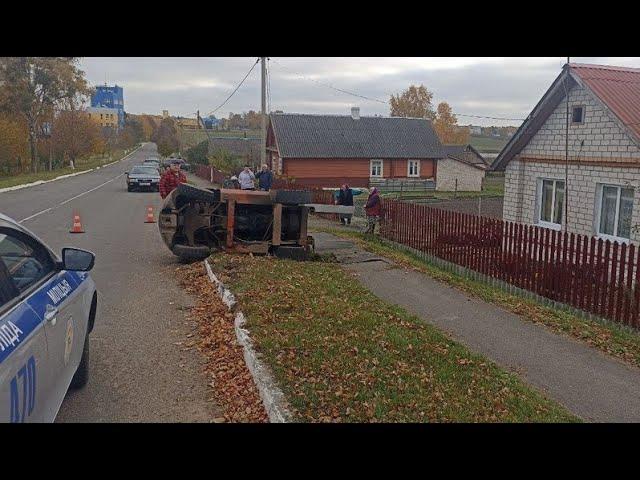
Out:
{"x": 272, "y": 397}
{"x": 62, "y": 177}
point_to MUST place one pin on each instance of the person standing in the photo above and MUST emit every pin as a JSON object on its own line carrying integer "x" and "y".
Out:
{"x": 171, "y": 178}
{"x": 265, "y": 178}
{"x": 373, "y": 209}
{"x": 246, "y": 179}
{"x": 345, "y": 197}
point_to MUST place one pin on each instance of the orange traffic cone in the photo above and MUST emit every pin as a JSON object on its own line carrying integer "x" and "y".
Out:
{"x": 150, "y": 218}
{"x": 77, "y": 224}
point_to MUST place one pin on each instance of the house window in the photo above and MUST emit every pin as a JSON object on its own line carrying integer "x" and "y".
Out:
{"x": 413, "y": 168}
{"x": 577, "y": 115}
{"x": 551, "y": 204}
{"x": 376, "y": 168}
{"x": 614, "y": 211}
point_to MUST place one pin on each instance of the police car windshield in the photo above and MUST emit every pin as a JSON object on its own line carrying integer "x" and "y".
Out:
{"x": 144, "y": 170}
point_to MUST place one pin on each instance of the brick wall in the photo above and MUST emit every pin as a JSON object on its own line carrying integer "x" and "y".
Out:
{"x": 602, "y": 136}
{"x": 469, "y": 178}
{"x": 605, "y": 144}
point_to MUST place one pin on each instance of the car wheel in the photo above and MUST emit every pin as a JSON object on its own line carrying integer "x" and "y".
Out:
{"x": 81, "y": 377}
{"x": 129, "y": 189}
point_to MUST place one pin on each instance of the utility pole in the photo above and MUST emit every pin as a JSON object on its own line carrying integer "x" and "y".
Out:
{"x": 566, "y": 154}
{"x": 263, "y": 150}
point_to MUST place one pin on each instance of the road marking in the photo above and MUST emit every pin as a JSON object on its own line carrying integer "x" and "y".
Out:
{"x": 70, "y": 199}
{"x": 89, "y": 191}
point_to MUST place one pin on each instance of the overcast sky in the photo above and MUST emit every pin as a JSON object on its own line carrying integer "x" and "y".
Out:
{"x": 496, "y": 87}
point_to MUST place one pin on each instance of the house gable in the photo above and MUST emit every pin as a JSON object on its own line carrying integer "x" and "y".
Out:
{"x": 600, "y": 137}
{"x": 612, "y": 94}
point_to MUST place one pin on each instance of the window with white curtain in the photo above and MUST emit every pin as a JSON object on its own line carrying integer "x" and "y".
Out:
{"x": 413, "y": 168}
{"x": 615, "y": 206}
{"x": 550, "y": 202}
{"x": 376, "y": 168}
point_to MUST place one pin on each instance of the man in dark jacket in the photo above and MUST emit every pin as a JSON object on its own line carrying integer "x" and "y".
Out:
{"x": 373, "y": 209}
{"x": 265, "y": 178}
{"x": 345, "y": 197}
{"x": 171, "y": 179}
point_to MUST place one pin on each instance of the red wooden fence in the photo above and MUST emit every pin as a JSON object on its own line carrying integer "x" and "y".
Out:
{"x": 209, "y": 173}
{"x": 601, "y": 277}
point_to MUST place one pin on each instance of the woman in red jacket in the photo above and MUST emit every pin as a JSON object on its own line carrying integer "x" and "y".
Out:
{"x": 373, "y": 209}
{"x": 171, "y": 179}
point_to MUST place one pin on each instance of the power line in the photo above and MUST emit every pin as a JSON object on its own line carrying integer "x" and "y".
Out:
{"x": 332, "y": 87}
{"x": 235, "y": 90}
{"x": 386, "y": 102}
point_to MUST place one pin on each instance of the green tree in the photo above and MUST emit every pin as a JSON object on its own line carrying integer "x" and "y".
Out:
{"x": 34, "y": 86}
{"x": 414, "y": 102}
{"x": 198, "y": 154}
{"x": 224, "y": 161}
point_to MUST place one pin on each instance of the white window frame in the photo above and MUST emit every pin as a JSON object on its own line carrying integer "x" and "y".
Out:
{"x": 584, "y": 114}
{"x": 381, "y": 168}
{"x": 598, "y": 213}
{"x": 417, "y": 174}
{"x": 539, "y": 221}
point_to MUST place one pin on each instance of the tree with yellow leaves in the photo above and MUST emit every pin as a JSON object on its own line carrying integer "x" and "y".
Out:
{"x": 414, "y": 102}
{"x": 14, "y": 146}
{"x": 447, "y": 128}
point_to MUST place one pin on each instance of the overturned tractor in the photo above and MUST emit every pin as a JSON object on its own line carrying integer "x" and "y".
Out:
{"x": 194, "y": 222}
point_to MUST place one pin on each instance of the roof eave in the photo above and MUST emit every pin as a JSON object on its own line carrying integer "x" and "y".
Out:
{"x": 532, "y": 123}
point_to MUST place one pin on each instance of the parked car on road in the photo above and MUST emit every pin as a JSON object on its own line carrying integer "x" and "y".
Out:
{"x": 153, "y": 163}
{"x": 47, "y": 311}
{"x": 143, "y": 177}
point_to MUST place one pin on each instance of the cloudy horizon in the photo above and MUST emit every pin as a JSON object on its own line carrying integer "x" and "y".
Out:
{"x": 506, "y": 87}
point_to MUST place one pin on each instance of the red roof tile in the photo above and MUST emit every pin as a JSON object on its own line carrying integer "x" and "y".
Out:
{"x": 617, "y": 87}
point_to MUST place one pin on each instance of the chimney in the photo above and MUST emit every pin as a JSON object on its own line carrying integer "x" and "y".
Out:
{"x": 355, "y": 113}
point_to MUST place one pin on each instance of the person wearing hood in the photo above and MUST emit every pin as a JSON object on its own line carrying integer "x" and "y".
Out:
{"x": 373, "y": 209}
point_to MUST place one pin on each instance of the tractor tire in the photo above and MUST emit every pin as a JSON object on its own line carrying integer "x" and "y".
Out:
{"x": 196, "y": 193}
{"x": 187, "y": 252}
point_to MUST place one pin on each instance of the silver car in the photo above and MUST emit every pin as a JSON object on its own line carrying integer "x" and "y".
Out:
{"x": 47, "y": 310}
{"x": 143, "y": 177}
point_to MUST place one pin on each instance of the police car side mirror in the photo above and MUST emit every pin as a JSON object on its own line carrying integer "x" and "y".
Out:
{"x": 77, "y": 260}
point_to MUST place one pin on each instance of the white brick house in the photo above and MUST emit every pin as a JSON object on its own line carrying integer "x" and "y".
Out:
{"x": 462, "y": 170}
{"x": 595, "y": 189}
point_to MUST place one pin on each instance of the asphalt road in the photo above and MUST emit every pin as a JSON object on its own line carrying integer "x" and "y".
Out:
{"x": 138, "y": 372}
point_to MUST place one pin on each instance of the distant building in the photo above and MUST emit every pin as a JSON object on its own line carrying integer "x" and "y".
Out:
{"x": 475, "y": 130}
{"x": 110, "y": 97}
{"x": 188, "y": 123}
{"x": 105, "y": 117}
{"x": 211, "y": 122}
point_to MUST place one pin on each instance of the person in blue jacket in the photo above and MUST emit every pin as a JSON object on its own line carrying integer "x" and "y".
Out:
{"x": 265, "y": 178}
{"x": 345, "y": 197}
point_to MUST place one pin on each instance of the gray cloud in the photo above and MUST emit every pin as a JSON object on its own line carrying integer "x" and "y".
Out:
{"x": 492, "y": 86}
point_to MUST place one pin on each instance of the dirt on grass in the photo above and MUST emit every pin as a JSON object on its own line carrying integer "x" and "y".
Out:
{"x": 231, "y": 381}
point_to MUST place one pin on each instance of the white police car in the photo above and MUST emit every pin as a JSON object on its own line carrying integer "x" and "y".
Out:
{"x": 47, "y": 310}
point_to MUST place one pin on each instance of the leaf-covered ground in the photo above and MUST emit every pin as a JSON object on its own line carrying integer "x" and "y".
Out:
{"x": 341, "y": 354}
{"x": 232, "y": 384}
{"x": 617, "y": 341}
